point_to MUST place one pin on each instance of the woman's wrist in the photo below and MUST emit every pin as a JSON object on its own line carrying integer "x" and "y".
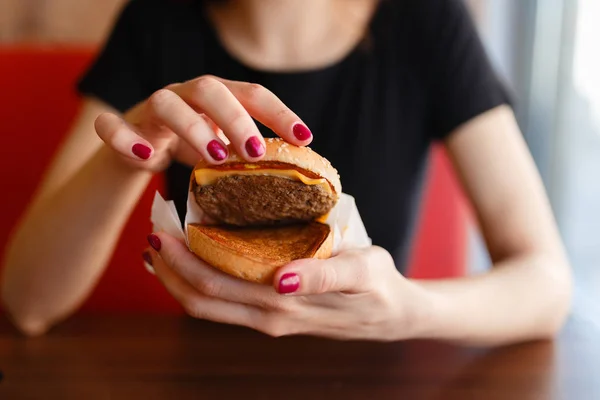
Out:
{"x": 421, "y": 311}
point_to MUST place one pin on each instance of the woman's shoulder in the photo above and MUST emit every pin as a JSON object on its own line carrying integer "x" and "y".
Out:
{"x": 424, "y": 30}
{"x": 416, "y": 26}
{"x": 423, "y": 15}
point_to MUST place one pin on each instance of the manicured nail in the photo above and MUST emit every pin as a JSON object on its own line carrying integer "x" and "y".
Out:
{"x": 289, "y": 283}
{"x": 141, "y": 151}
{"x": 216, "y": 150}
{"x": 154, "y": 241}
{"x": 147, "y": 257}
{"x": 301, "y": 132}
{"x": 254, "y": 147}
{"x": 148, "y": 262}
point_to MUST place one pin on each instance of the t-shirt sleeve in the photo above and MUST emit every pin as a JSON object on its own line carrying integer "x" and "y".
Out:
{"x": 462, "y": 82}
{"x": 118, "y": 74}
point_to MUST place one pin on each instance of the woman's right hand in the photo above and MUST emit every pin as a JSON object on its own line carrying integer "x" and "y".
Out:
{"x": 188, "y": 121}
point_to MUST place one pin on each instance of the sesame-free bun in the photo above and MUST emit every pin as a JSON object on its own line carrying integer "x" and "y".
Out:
{"x": 255, "y": 254}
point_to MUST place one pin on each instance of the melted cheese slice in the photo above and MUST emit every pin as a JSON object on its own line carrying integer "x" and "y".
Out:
{"x": 207, "y": 176}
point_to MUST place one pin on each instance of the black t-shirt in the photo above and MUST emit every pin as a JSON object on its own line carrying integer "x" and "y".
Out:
{"x": 419, "y": 73}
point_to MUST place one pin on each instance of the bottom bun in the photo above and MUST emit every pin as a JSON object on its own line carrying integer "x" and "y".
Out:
{"x": 254, "y": 254}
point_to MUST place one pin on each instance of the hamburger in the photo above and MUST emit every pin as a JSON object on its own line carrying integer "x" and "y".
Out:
{"x": 264, "y": 214}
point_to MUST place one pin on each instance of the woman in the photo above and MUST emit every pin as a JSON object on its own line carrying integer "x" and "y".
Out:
{"x": 377, "y": 82}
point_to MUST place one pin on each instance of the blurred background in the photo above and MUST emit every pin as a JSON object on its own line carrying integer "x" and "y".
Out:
{"x": 547, "y": 51}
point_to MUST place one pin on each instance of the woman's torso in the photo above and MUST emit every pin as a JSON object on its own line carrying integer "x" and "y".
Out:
{"x": 419, "y": 73}
{"x": 367, "y": 114}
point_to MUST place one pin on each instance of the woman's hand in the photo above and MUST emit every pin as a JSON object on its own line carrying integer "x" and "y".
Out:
{"x": 354, "y": 295}
{"x": 186, "y": 121}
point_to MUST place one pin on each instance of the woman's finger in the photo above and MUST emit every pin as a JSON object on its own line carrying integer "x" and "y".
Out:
{"x": 120, "y": 137}
{"x": 198, "y": 305}
{"x": 220, "y": 105}
{"x": 185, "y": 154}
{"x": 267, "y": 108}
{"x": 214, "y": 283}
{"x": 178, "y": 116}
{"x": 350, "y": 271}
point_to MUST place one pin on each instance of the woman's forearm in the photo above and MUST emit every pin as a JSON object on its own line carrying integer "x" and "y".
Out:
{"x": 524, "y": 298}
{"x": 66, "y": 240}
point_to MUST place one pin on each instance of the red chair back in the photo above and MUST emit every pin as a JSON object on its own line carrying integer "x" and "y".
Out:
{"x": 37, "y": 105}
{"x": 441, "y": 239}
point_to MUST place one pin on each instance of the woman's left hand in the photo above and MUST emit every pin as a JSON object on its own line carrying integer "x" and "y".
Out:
{"x": 357, "y": 294}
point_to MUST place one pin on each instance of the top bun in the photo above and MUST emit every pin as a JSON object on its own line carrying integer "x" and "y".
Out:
{"x": 279, "y": 150}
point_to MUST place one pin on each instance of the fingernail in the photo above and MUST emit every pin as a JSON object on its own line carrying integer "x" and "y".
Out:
{"x": 148, "y": 262}
{"x": 301, "y": 132}
{"x": 216, "y": 150}
{"x": 154, "y": 241}
{"x": 141, "y": 151}
{"x": 147, "y": 257}
{"x": 289, "y": 283}
{"x": 254, "y": 147}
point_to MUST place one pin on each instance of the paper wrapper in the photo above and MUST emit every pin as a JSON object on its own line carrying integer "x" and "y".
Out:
{"x": 348, "y": 229}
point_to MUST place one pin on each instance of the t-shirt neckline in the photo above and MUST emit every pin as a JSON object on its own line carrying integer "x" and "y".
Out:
{"x": 301, "y": 72}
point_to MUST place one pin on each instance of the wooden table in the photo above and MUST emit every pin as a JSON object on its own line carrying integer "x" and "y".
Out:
{"x": 170, "y": 357}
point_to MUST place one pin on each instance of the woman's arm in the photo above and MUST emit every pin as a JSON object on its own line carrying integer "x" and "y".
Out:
{"x": 526, "y": 294}
{"x": 68, "y": 233}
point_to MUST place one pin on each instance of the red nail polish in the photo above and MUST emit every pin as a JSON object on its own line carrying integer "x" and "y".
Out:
{"x": 141, "y": 151}
{"x": 301, "y": 132}
{"x": 147, "y": 257}
{"x": 289, "y": 283}
{"x": 154, "y": 241}
{"x": 216, "y": 150}
{"x": 254, "y": 147}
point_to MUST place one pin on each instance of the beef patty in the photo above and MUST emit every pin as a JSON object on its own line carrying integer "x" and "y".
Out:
{"x": 262, "y": 200}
